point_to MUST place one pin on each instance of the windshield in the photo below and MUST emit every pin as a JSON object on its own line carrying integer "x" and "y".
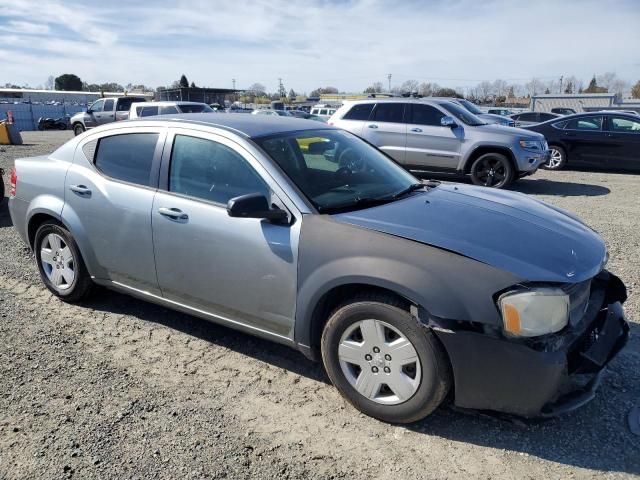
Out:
{"x": 336, "y": 170}
{"x": 195, "y": 108}
{"x": 469, "y": 106}
{"x": 462, "y": 114}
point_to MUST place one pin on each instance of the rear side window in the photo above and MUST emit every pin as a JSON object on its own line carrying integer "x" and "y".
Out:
{"x": 425, "y": 115}
{"x": 585, "y": 123}
{"x": 168, "y": 110}
{"x": 388, "y": 112}
{"x": 360, "y": 111}
{"x": 148, "y": 111}
{"x": 127, "y": 157}
{"x": 108, "y": 105}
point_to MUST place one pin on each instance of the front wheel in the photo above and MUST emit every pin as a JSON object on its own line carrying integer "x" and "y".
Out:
{"x": 384, "y": 362}
{"x": 59, "y": 262}
{"x": 492, "y": 170}
{"x": 558, "y": 158}
{"x": 78, "y": 129}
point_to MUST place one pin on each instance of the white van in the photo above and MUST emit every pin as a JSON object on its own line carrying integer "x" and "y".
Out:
{"x": 324, "y": 111}
{"x": 149, "y": 109}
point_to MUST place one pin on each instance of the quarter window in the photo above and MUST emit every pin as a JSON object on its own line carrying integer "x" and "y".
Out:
{"x": 388, "y": 112}
{"x": 585, "y": 123}
{"x": 127, "y": 157}
{"x": 425, "y": 115}
{"x": 211, "y": 171}
{"x": 621, "y": 124}
{"x": 360, "y": 111}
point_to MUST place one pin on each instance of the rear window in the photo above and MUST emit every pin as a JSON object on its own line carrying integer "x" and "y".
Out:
{"x": 360, "y": 111}
{"x": 147, "y": 111}
{"x": 124, "y": 104}
{"x": 127, "y": 157}
{"x": 195, "y": 108}
{"x": 388, "y": 112}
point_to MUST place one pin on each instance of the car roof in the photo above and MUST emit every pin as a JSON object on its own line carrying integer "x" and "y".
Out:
{"x": 251, "y": 126}
{"x": 169, "y": 103}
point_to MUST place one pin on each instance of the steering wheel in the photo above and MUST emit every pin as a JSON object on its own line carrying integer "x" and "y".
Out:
{"x": 350, "y": 160}
{"x": 342, "y": 172}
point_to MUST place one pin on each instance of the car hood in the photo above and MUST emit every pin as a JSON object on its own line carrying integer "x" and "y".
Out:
{"x": 510, "y": 231}
{"x": 511, "y": 131}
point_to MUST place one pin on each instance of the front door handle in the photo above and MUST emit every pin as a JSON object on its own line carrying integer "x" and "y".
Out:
{"x": 373, "y": 126}
{"x": 174, "y": 213}
{"x": 80, "y": 189}
{"x": 417, "y": 130}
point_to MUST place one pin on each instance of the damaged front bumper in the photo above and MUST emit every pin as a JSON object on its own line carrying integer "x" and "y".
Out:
{"x": 543, "y": 377}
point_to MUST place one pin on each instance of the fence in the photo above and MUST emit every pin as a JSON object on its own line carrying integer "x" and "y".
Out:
{"x": 26, "y": 115}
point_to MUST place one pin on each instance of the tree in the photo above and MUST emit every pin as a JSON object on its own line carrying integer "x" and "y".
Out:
{"x": 322, "y": 90}
{"x": 410, "y": 86}
{"x": 292, "y": 95}
{"x": 375, "y": 88}
{"x": 447, "y": 92}
{"x": 69, "y": 82}
{"x": 50, "y": 83}
{"x": 635, "y": 90}
{"x": 425, "y": 89}
{"x": 257, "y": 90}
{"x": 547, "y": 91}
{"x": 569, "y": 87}
{"x": 184, "y": 83}
{"x": 193, "y": 85}
{"x": 485, "y": 90}
{"x": 594, "y": 88}
{"x": 534, "y": 87}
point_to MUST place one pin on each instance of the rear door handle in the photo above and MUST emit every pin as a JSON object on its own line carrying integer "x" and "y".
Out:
{"x": 80, "y": 189}
{"x": 373, "y": 126}
{"x": 417, "y": 130}
{"x": 174, "y": 213}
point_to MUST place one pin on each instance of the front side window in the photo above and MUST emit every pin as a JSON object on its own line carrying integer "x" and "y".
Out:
{"x": 360, "y": 111}
{"x": 425, "y": 115}
{"x": 625, "y": 125}
{"x": 211, "y": 171}
{"x": 127, "y": 157}
{"x": 97, "y": 106}
{"x": 585, "y": 123}
{"x": 462, "y": 114}
{"x": 336, "y": 170}
{"x": 388, "y": 112}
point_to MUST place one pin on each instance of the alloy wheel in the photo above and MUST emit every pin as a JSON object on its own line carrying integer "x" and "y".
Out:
{"x": 57, "y": 261}
{"x": 556, "y": 158}
{"x": 491, "y": 172}
{"x": 379, "y": 362}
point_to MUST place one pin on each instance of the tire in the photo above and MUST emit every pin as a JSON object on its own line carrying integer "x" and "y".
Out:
{"x": 492, "y": 170}
{"x": 372, "y": 381}
{"x": 78, "y": 129}
{"x": 57, "y": 251}
{"x": 558, "y": 158}
{"x": 62, "y": 126}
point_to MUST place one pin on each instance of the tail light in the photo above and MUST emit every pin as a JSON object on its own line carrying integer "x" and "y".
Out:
{"x": 13, "y": 176}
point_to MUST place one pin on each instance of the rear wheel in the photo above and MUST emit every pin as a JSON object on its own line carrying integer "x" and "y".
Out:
{"x": 59, "y": 262}
{"x": 492, "y": 170}
{"x": 558, "y": 158}
{"x": 78, "y": 128}
{"x": 383, "y": 361}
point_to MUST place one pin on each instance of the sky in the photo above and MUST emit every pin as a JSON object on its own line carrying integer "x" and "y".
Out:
{"x": 348, "y": 44}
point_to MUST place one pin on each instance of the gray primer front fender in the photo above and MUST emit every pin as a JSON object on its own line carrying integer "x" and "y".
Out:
{"x": 445, "y": 284}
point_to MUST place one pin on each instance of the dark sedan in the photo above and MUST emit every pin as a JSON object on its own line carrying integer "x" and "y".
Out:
{"x": 595, "y": 140}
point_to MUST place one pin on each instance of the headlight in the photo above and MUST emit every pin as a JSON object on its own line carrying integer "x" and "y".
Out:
{"x": 531, "y": 144}
{"x": 534, "y": 312}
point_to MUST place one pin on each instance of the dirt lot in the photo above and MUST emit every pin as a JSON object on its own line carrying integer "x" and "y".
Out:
{"x": 118, "y": 388}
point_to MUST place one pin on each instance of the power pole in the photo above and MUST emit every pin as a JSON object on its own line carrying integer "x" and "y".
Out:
{"x": 233, "y": 80}
{"x": 561, "y": 77}
{"x": 389, "y": 78}
{"x": 281, "y": 91}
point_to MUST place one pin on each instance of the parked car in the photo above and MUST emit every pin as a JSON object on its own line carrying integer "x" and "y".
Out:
{"x": 434, "y": 135}
{"x": 105, "y": 110}
{"x": 563, "y": 111}
{"x": 500, "y": 111}
{"x": 323, "y": 111}
{"x": 458, "y": 290}
{"x": 271, "y": 112}
{"x": 531, "y": 118}
{"x": 595, "y": 140}
{"x": 148, "y": 109}
{"x": 471, "y": 107}
{"x": 306, "y": 116}
{"x": 239, "y": 109}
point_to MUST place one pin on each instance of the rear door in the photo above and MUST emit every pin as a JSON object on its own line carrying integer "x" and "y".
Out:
{"x": 428, "y": 143}
{"x": 107, "y": 115}
{"x": 623, "y": 137}
{"x": 586, "y": 140}
{"x": 109, "y": 194}
{"x": 386, "y": 129}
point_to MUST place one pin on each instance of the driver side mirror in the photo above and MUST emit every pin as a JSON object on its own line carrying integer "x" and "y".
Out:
{"x": 89, "y": 111}
{"x": 254, "y": 205}
{"x": 448, "y": 122}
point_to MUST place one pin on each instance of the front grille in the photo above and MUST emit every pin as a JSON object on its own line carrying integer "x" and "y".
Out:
{"x": 579, "y": 300}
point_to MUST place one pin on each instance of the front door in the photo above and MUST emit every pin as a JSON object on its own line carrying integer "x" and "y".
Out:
{"x": 238, "y": 270}
{"x": 623, "y": 137}
{"x": 586, "y": 141}
{"x": 387, "y": 130}
{"x": 109, "y": 193}
{"x": 430, "y": 145}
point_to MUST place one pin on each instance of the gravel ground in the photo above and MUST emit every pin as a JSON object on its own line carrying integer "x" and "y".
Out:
{"x": 118, "y": 388}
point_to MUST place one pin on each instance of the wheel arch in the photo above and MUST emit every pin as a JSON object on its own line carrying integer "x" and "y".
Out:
{"x": 483, "y": 149}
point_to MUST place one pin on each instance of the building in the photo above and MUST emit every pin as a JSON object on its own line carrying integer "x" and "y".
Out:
{"x": 28, "y": 95}
{"x": 197, "y": 94}
{"x": 580, "y": 102}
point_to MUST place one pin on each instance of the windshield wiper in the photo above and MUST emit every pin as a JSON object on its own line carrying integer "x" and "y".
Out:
{"x": 357, "y": 203}
{"x": 411, "y": 188}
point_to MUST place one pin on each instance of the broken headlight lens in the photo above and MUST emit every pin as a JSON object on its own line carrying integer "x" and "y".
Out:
{"x": 530, "y": 313}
